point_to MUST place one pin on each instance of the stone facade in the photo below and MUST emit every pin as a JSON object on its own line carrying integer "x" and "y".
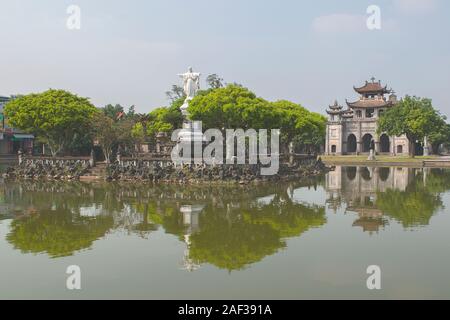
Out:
{"x": 351, "y": 131}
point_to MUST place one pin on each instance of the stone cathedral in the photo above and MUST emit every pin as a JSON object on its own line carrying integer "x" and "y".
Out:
{"x": 353, "y": 131}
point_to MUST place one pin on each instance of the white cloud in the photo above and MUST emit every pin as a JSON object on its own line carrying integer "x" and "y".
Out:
{"x": 339, "y": 23}
{"x": 416, "y": 6}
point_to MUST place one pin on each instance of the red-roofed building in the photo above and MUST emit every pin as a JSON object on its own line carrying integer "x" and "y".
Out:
{"x": 354, "y": 130}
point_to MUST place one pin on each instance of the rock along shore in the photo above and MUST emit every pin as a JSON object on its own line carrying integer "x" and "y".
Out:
{"x": 188, "y": 174}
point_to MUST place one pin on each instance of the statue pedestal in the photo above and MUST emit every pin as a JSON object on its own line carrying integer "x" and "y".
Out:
{"x": 191, "y": 132}
{"x": 372, "y": 156}
{"x": 184, "y": 108}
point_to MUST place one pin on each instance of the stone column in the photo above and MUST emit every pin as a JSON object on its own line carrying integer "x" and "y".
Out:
{"x": 377, "y": 146}
{"x": 92, "y": 159}
{"x": 20, "y": 157}
{"x": 359, "y": 139}
{"x": 426, "y": 149}
{"x": 393, "y": 146}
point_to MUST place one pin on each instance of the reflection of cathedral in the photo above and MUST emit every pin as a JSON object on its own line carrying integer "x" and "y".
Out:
{"x": 352, "y": 131}
{"x": 357, "y": 187}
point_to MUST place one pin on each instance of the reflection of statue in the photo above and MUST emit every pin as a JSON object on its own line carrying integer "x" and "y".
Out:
{"x": 372, "y": 151}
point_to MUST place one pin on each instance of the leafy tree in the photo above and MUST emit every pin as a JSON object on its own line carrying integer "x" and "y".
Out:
{"x": 55, "y": 116}
{"x": 113, "y": 111}
{"x": 414, "y": 117}
{"x": 235, "y": 107}
{"x": 214, "y": 81}
{"x": 105, "y": 132}
{"x": 441, "y": 135}
{"x": 231, "y": 107}
{"x": 300, "y": 126}
{"x": 112, "y": 134}
{"x": 163, "y": 119}
{"x": 177, "y": 92}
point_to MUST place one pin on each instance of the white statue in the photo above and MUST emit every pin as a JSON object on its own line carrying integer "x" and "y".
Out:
{"x": 191, "y": 85}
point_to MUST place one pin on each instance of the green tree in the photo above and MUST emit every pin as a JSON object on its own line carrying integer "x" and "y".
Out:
{"x": 214, "y": 81}
{"x": 235, "y": 107}
{"x": 105, "y": 133}
{"x": 441, "y": 135}
{"x": 55, "y": 116}
{"x": 113, "y": 111}
{"x": 232, "y": 107}
{"x": 299, "y": 126}
{"x": 414, "y": 117}
{"x": 177, "y": 92}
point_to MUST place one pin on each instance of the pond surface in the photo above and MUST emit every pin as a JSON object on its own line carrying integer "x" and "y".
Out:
{"x": 308, "y": 239}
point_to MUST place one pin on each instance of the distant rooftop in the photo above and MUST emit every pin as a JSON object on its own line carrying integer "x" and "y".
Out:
{"x": 373, "y": 88}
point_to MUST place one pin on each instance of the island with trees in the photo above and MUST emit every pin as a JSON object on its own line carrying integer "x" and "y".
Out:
{"x": 73, "y": 136}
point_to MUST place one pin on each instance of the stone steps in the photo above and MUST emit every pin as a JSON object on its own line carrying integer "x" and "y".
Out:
{"x": 96, "y": 173}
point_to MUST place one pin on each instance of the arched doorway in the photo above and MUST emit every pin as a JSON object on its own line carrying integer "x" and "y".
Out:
{"x": 351, "y": 173}
{"x": 351, "y": 144}
{"x": 399, "y": 149}
{"x": 367, "y": 139}
{"x": 384, "y": 174}
{"x": 333, "y": 149}
{"x": 365, "y": 174}
{"x": 385, "y": 144}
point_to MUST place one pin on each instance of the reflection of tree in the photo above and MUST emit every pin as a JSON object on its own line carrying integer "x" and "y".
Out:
{"x": 58, "y": 233}
{"x": 233, "y": 240}
{"x": 233, "y": 229}
{"x": 411, "y": 209}
{"x": 290, "y": 220}
{"x": 232, "y": 245}
{"x": 437, "y": 180}
{"x": 415, "y": 206}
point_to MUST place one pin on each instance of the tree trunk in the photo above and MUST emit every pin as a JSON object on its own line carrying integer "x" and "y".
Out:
{"x": 412, "y": 150}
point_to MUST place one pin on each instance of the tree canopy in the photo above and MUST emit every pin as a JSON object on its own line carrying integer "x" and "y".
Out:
{"x": 112, "y": 129}
{"x": 416, "y": 118}
{"x": 55, "y": 116}
{"x": 234, "y": 106}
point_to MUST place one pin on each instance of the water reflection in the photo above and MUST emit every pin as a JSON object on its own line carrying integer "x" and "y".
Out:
{"x": 409, "y": 196}
{"x": 229, "y": 227}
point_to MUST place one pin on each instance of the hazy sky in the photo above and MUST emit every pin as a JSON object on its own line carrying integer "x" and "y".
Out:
{"x": 311, "y": 52}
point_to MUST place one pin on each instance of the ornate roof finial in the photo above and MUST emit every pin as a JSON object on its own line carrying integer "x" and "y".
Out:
{"x": 373, "y": 79}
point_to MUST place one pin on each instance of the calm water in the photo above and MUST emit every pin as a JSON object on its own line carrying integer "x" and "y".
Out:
{"x": 311, "y": 239}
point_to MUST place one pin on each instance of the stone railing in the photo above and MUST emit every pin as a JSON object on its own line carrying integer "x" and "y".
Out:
{"x": 86, "y": 162}
{"x": 145, "y": 160}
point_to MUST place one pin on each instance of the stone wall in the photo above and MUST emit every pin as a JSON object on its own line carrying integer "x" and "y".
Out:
{"x": 163, "y": 170}
{"x": 66, "y": 168}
